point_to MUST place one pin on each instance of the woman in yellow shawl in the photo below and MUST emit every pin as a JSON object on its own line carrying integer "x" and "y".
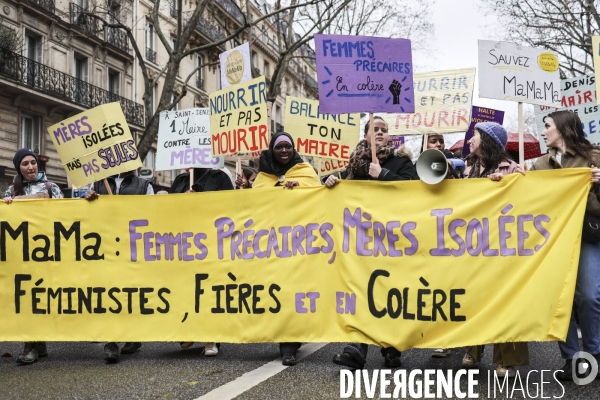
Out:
{"x": 281, "y": 165}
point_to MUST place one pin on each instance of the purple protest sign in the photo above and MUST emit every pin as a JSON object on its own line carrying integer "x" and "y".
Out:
{"x": 398, "y": 141}
{"x": 364, "y": 74}
{"x": 481, "y": 114}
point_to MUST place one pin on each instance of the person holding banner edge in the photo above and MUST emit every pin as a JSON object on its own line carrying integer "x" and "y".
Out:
{"x": 391, "y": 165}
{"x": 126, "y": 183}
{"x": 281, "y": 165}
{"x": 29, "y": 181}
{"x": 568, "y": 148}
{"x": 488, "y": 159}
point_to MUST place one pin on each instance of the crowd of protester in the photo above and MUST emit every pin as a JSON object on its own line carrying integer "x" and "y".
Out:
{"x": 282, "y": 166}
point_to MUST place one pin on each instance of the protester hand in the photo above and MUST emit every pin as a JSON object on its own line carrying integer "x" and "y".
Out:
{"x": 520, "y": 169}
{"x": 91, "y": 195}
{"x": 595, "y": 174}
{"x": 374, "y": 170}
{"x": 8, "y": 199}
{"x": 331, "y": 181}
{"x": 495, "y": 176}
{"x": 241, "y": 182}
{"x": 290, "y": 184}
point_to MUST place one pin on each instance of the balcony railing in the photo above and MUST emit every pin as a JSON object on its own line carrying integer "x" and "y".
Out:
{"x": 310, "y": 81}
{"x": 85, "y": 22}
{"x": 48, "y": 80}
{"x": 150, "y": 55}
{"x": 47, "y": 5}
{"x": 232, "y": 10}
{"x": 199, "y": 83}
{"x": 117, "y": 38}
{"x": 210, "y": 31}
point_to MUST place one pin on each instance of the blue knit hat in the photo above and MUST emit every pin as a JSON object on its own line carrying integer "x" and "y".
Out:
{"x": 495, "y": 131}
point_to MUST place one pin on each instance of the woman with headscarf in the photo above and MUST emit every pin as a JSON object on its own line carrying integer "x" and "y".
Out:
{"x": 29, "y": 181}
{"x": 391, "y": 165}
{"x": 281, "y": 165}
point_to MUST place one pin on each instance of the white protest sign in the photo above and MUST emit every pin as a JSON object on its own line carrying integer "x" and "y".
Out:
{"x": 235, "y": 65}
{"x": 508, "y": 71}
{"x": 184, "y": 140}
{"x": 578, "y": 95}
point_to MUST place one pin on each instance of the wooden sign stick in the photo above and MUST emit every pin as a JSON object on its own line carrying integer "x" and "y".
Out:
{"x": 425, "y": 138}
{"x": 108, "y": 187}
{"x": 521, "y": 137}
{"x": 238, "y": 168}
{"x": 374, "y": 159}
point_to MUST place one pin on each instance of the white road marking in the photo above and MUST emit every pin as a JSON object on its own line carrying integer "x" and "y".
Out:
{"x": 250, "y": 379}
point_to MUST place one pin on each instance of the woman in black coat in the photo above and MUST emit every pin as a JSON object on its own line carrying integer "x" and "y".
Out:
{"x": 391, "y": 165}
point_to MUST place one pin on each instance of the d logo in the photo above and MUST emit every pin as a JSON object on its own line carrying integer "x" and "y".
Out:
{"x": 576, "y": 364}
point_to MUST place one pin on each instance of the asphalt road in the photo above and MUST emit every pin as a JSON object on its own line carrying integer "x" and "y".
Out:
{"x": 164, "y": 371}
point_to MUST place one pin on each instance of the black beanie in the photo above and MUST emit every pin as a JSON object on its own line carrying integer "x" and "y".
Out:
{"x": 19, "y": 155}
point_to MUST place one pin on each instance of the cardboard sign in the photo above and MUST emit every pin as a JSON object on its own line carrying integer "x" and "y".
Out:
{"x": 95, "y": 144}
{"x": 328, "y": 166}
{"x": 508, "y": 71}
{"x": 364, "y": 74}
{"x": 578, "y": 95}
{"x": 442, "y": 104}
{"x": 481, "y": 114}
{"x": 184, "y": 140}
{"x": 397, "y": 140}
{"x": 235, "y": 65}
{"x": 357, "y": 263}
{"x": 320, "y": 135}
{"x": 238, "y": 118}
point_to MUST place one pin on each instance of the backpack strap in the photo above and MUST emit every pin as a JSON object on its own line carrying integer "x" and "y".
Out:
{"x": 49, "y": 189}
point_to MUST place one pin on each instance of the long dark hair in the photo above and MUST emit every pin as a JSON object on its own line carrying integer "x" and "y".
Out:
{"x": 570, "y": 128}
{"x": 19, "y": 190}
{"x": 491, "y": 154}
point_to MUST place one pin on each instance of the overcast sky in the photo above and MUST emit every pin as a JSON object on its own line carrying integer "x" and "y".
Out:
{"x": 458, "y": 26}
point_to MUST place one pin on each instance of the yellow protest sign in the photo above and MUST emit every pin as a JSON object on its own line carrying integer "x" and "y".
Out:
{"x": 328, "y": 166}
{"x": 465, "y": 262}
{"x": 442, "y": 104}
{"x": 238, "y": 118}
{"x": 95, "y": 144}
{"x": 320, "y": 135}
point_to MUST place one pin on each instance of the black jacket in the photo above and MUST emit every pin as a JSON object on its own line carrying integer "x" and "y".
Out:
{"x": 131, "y": 184}
{"x": 398, "y": 167}
{"x": 211, "y": 181}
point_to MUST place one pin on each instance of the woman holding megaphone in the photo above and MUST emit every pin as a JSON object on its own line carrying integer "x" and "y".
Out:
{"x": 488, "y": 159}
{"x": 391, "y": 165}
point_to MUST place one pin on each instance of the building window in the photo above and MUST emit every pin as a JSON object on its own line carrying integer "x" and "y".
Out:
{"x": 31, "y": 132}
{"x": 199, "y": 74}
{"x": 114, "y": 82}
{"x": 254, "y": 59}
{"x": 266, "y": 71}
{"x": 278, "y": 115}
{"x": 81, "y": 68}
{"x": 149, "y": 160}
{"x": 176, "y": 106}
{"x": 150, "y": 52}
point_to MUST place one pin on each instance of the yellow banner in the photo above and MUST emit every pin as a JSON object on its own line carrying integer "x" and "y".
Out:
{"x": 238, "y": 118}
{"x": 460, "y": 263}
{"x": 320, "y": 135}
{"x": 95, "y": 144}
{"x": 442, "y": 104}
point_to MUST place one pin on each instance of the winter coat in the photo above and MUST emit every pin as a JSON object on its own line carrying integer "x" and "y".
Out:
{"x": 39, "y": 185}
{"x": 571, "y": 159}
{"x": 398, "y": 167}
